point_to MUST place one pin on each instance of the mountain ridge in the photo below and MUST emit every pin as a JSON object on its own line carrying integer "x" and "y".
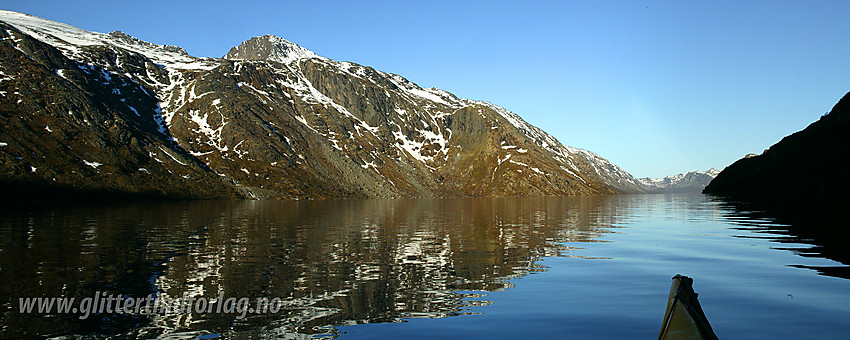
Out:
{"x": 807, "y": 163}
{"x": 690, "y": 182}
{"x": 296, "y": 126}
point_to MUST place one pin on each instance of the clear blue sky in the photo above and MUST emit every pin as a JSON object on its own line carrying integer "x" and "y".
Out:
{"x": 656, "y": 87}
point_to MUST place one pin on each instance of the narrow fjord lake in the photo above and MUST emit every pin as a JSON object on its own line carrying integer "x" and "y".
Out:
{"x": 551, "y": 267}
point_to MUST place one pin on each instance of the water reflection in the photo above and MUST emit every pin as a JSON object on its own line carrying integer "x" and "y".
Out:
{"x": 817, "y": 223}
{"x": 332, "y": 262}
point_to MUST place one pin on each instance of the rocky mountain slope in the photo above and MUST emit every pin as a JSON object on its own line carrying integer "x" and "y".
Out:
{"x": 691, "y": 182}
{"x": 81, "y": 110}
{"x": 812, "y": 162}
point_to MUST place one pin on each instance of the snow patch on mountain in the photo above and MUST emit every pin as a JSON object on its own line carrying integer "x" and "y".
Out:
{"x": 70, "y": 40}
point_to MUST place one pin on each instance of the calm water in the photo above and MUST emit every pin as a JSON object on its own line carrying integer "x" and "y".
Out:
{"x": 583, "y": 268}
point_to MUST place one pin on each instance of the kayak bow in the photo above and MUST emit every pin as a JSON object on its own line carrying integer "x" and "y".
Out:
{"x": 684, "y": 318}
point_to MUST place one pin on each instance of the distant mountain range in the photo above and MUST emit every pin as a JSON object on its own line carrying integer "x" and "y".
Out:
{"x": 691, "y": 182}
{"x": 86, "y": 111}
{"x": 812, "y": 163}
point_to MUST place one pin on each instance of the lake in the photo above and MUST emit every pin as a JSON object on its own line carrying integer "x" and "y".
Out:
{"x": 549, "y": 267}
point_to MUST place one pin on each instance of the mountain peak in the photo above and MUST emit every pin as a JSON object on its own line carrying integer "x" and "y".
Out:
{"x": 270, "y": 48}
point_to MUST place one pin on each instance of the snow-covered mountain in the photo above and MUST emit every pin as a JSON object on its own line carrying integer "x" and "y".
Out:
{"x": 95, "y": 111}
{"x": 693, "y": 181}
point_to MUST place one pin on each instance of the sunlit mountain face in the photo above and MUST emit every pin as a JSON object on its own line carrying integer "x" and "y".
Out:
{"x": 86, "y": 111}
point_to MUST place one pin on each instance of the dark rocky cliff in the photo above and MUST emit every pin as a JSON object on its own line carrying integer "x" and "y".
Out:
{"x": 813, "y": 161}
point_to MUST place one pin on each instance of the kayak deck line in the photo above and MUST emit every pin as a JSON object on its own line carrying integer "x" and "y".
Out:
{"x": 684, "y": 318}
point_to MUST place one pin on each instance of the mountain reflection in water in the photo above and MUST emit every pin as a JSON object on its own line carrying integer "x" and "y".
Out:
{"x": 332, "y": 262}
{"x": 819, "y": 222}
